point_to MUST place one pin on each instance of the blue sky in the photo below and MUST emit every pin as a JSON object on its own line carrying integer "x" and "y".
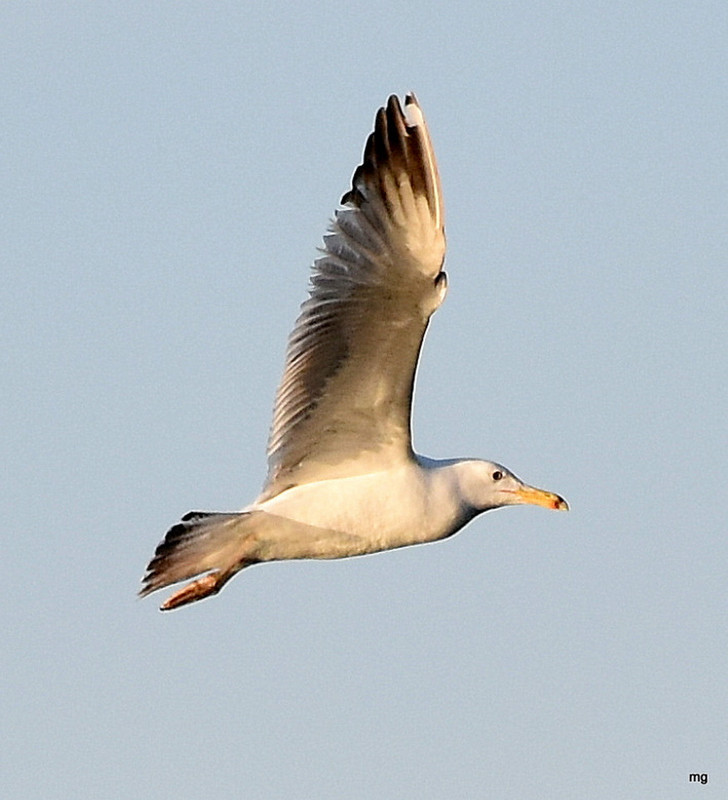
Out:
{"x": 168, "y": 171}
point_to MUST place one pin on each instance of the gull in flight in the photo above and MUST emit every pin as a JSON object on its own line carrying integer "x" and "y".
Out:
{"x": 343, "y": 479}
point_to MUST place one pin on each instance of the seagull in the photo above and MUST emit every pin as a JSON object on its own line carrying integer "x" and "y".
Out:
{"x": 343, "y": 479}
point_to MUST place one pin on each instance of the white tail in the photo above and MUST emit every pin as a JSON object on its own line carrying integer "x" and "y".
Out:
{"x": 201, "y": 542}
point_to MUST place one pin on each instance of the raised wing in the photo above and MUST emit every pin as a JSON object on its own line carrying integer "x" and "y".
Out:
{"x": 346, "y": 391}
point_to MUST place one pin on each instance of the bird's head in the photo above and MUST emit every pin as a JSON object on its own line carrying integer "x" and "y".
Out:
{"x": 487, "y": 485}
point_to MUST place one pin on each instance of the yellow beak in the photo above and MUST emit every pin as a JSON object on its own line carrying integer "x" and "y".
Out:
{"x": 538, "y": 497}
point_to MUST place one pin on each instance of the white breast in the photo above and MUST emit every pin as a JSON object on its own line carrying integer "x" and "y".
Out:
{"x": 393, "y": 508}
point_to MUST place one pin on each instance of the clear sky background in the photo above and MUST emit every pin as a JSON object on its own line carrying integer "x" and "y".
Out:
{"x": 167, "y": 171}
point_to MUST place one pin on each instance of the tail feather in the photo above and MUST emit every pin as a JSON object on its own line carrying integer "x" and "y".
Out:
{"x": 200, "y": 542}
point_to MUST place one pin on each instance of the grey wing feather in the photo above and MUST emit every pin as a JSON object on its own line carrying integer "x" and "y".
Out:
{"x": 347, "y": 386}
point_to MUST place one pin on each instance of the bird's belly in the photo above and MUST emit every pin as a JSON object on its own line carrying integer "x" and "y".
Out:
{"x": 378, "y": 511}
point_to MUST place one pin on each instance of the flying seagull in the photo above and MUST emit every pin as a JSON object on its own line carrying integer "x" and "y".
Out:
{"x": 343, "y": 479}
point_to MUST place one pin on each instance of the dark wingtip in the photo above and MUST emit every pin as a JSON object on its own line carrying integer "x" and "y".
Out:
{"x": 387, "y": 143}
{"x": 153, "y": 577}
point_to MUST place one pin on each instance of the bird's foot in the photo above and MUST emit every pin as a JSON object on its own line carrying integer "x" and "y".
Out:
{"x": 202, "y": 587}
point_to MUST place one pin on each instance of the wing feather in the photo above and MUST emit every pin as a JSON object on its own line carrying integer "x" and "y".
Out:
{"x": 346, "y": 390}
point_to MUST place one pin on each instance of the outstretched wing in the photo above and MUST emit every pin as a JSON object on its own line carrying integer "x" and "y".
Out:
{"x": 346, "y": 391}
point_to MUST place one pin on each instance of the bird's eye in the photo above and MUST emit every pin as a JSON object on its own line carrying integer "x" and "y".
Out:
{"x": 497, "y": 475}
